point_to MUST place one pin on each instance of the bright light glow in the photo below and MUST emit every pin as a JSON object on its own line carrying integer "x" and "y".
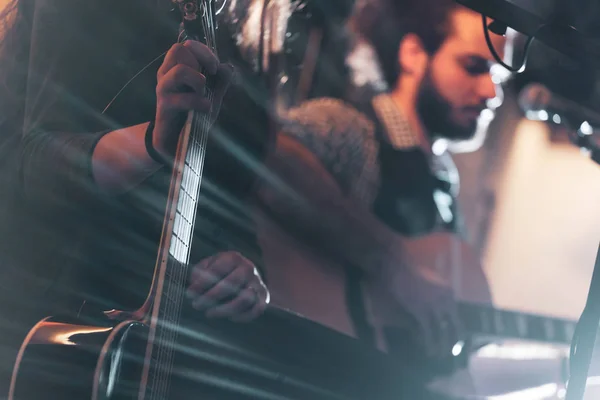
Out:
{"x": 593, "y": 381}
{"x": 475, "y": 143}
{"x": 494, "y": 103}
{"x": 536, "y": 393}
{"x": 65, "y": 337}
{"x": 439, "y": 146}
{"x": 539, "y": 115}
{"x": 458, "y": 348}
{"x": 364, "y": 69}
{"x": 487, "y": 115}
{"x": 499, "y": 73}
{"x": 444, "y": 203}
{"x": 586, "y": 128}
{"x": 556, "y": 119}
{"x": 521, "y": 352}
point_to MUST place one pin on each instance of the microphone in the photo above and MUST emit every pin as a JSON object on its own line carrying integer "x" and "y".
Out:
{"x": 540, "y": 104}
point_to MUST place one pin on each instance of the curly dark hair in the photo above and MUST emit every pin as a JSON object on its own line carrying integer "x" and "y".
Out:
{"x": 384, "y": 23}
{"x": 15, "y": 30}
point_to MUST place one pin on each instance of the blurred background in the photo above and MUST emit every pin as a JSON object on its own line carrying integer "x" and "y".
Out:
{"x": 531, "y": 198}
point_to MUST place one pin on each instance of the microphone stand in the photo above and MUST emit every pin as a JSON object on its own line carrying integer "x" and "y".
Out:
{"x": 584, "y": 339}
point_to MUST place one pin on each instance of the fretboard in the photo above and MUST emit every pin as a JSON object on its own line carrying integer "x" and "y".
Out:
{"x": 187, "y": 202}
{"x": 173, "y": 270}
{"x": 487, "y": 321}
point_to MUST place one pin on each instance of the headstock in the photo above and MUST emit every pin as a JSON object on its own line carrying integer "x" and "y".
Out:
{"x": 199, "y": 20}
{"x": 192, "y": 9}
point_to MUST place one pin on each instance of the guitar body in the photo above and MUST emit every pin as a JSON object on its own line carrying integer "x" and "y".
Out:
{"x": 279, "y": 356}
{"x": 73, "y": 359}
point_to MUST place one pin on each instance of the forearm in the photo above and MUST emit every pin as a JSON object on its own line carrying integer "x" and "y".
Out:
{"x": 335, "y": 231}
{"x": 62, "y": 170}
{"x": 120, "y": 160}
{"x": 308, "y": 203}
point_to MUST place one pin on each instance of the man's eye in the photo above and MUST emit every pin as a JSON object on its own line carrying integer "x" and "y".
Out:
{"x": 477, "y": 69}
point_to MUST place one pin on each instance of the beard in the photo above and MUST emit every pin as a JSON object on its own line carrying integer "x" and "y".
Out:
{"x": 435, "y": 112}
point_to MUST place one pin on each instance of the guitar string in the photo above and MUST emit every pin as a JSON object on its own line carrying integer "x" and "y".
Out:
{"x": 165, "y": 355}
{"x": 195, "y": 155}
{"x": 159, "y": 382}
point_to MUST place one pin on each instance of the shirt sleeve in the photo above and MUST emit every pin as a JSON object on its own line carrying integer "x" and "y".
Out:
{"x": 342, "y": 139}
{"x": 71, "y": 76}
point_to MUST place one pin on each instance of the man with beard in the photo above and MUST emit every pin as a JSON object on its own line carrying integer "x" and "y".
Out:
{"x": 360, "y": 206}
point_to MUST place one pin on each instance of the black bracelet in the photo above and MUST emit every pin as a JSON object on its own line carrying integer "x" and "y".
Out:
{"x": 155, "y": 155}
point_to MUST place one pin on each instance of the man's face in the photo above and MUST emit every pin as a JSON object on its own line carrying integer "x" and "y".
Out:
{"x": 457, "y": 82}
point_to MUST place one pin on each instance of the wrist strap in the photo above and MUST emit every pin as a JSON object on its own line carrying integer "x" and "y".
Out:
{"x": 155, "y": 155}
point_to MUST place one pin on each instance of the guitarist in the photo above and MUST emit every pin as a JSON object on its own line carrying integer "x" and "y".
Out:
{"x": 84, "y": 190}
{"x": 362, "y": 202}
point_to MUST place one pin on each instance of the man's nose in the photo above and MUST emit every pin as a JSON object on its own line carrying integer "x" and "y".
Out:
{"x": 486, "y": 88}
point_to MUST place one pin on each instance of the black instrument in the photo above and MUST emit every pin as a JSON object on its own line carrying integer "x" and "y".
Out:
{"x": 278, "y": 356}
{"x": 494, "y": 323}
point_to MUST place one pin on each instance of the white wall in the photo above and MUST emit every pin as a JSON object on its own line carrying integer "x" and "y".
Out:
{"x": 546, "y": 227}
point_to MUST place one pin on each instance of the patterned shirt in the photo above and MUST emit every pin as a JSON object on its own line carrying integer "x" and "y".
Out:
{"x": 345, "y": 142}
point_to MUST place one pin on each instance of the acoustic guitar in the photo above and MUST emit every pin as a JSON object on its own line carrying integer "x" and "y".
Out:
{"x": 132, "y": 355}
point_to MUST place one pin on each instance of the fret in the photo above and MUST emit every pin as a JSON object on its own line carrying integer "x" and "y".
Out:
{"x": 174, "y": 249}
{"x": 498, "y": 322}
{"x": 173, "y": 293}
{"x": 192, "y": 163}
{"x": 184, "y": 219}
{"x": 169, "y": 296}
{"x": 185, "y": 180}
{"x": 186, "y": 205}
{"x": 522, "y": 325}
{"x": 195, "y": 156}
{"x": 182, "y": 228}
{"x": 485, "y": 321}
{"x": 190, "y": 182}
{"x": 178, "y": 249}
{"x": 511, "y": 327}
{"x": 549, "y": 330}
{"x": 536, "y": 328}
{"x": 177, "y": 225}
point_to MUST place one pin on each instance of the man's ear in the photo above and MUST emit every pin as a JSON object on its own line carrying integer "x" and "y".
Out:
{"x": 412, "y": 56}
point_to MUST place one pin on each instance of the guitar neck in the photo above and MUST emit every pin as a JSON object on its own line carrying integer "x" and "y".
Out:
{"x": 487, "y": 321}
{"x": 184, "y": 193}
{"x": 167, "y": 293}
